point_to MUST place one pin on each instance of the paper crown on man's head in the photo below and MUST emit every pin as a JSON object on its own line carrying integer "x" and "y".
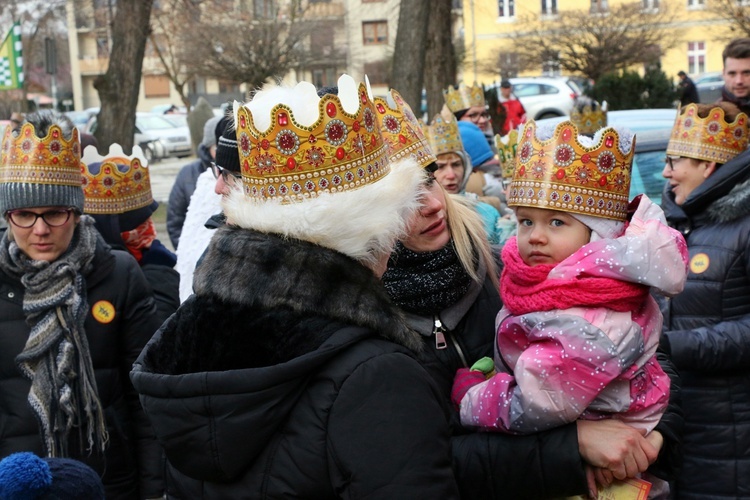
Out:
{"x": 506, "y": 147}
{"x": 443, "y": 135}
{"x": 402, "y": 133}
{"x": 463, "y": 97}
{"x": 560, "y": 170}
{"x": 589, "y": 116}
{"x": 712, "y": 138}
{"x": 115, "y": 183}
{"x": 40, "y": 171}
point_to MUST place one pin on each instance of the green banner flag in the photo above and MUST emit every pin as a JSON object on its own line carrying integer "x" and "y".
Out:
{"x": 11, "y": 60}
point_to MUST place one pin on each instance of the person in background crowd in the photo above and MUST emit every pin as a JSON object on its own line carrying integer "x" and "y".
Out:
{"x": 688, "y": 92}
{"x": 16, "y": 120}
{"x": 289, "y": 361}
{"x": 187, "y": 178}
{"x": 117, "y": 195}
{"x": 468, "y": 104}
{"x": 24, "y": 476}
{"x": 74, "y": 315}
{"x": 485, "y": 178}
{"x": 736, "y": 72}
{"x": 515, "y": 114}
{"x": 707, "y": 327}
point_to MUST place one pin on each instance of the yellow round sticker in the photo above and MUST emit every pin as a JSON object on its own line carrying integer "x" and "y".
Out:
{"x": 103, "y": 311}
{"x": 699, "y": 263}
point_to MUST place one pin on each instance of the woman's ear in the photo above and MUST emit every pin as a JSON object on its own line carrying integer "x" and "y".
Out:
{"x": 710, "y": 169}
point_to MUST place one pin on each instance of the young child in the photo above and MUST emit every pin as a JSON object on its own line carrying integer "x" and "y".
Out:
{"x": 578, "y": 332}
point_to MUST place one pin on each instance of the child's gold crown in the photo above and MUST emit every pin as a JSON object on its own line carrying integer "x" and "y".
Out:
{"x": 463, "y": 97}
{"x": 711, "y": 138}
{"x": 115, "y": 183}
{"x": 507, "y": 146}
{"x": 401, "y": 131}
{"x": 443, "y": 135}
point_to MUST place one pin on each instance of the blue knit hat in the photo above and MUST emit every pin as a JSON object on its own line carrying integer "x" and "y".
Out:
{"x": 24, "y": 476}
{"x": 475, "y": 143}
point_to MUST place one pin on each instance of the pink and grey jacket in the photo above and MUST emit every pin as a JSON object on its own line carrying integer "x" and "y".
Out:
{"x": 566, "y": 362}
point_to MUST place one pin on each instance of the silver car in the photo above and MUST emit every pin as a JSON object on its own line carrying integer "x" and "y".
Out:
{"x": 545, "y": 97}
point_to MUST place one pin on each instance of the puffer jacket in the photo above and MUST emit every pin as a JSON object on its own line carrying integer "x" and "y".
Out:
{"x": 182, "y": 190}
{"x": 287, "y": 375}
{"x": 707, "y": 329}
{"x": 133, "y": 456}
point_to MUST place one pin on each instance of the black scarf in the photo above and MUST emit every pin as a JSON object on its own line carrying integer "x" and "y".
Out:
{"x": 425, "y": 283}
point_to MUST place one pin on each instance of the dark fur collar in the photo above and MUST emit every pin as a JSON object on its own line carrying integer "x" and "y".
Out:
{"x": 264, "y": 271}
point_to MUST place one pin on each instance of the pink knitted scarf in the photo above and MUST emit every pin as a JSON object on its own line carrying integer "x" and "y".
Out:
{"x": 526, "y": 289}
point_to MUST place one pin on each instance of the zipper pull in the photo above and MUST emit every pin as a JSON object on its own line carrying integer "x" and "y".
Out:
{"x": 439, "y": 332}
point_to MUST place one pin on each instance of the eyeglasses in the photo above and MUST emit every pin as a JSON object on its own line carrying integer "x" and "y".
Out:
{"x": 478, "y": 115}
{"x": 671, "y": 160}
{"x": 224, "y": 173}
{"x": 53, "y": 218}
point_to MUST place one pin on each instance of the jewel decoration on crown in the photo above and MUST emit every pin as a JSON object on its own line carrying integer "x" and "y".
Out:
{"x": 507, "y": 146}
{"x": 292, "y": 162}
{"x": 402, "y": 133}
{"x": 115, "y": 183}
{"x": 443, "y": 135}
{"x": 589, "y": 118}
{"x": 561, "y": 173}
{"x": 41, "y": 160}
{"x": 463, "y": 97}
{"x": 711, "y": 138}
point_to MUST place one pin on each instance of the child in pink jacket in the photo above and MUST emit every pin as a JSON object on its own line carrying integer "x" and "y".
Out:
{"x": 578, "y": 332}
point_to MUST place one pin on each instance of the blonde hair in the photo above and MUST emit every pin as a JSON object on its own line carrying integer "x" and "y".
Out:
{"x": 469, "y": 236}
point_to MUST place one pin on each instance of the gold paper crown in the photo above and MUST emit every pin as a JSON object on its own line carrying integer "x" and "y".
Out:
{"x": 711, "y": 138}
{"x": 289, "y": 161}
{"x": 588, "y": 118}
{"x": 560, "y": 173}
{"x": 46, "y": 160}
{"x": 401, "y": 131}
{"x": 463, "y": 97}
{"x": 507, "y": 146}
{"x": 115, "y": 183}
{"x": 443, "y": 135}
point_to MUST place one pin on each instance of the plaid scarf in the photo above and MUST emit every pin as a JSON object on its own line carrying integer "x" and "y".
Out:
{"x": 56, "y": 357}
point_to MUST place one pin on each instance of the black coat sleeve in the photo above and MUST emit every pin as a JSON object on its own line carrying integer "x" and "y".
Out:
{"x": 179, "y": 199}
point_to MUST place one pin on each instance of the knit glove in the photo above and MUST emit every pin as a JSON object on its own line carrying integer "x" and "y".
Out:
{"x": 466, "y": 378}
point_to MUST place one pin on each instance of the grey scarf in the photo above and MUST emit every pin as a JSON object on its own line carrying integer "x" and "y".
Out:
{"x": 56, "y": 357}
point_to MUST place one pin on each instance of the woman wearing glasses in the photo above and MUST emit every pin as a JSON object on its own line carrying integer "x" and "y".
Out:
{"x": 707, "y": 327}
{"x": 74, "y": 315}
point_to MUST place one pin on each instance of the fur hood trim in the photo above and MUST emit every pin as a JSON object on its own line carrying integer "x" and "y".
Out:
{"x": 362, "y": 223}
{"x": 267, "y": 271}
{"x": 734, "y": 205}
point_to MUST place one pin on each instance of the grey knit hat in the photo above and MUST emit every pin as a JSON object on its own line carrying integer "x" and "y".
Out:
{"x": 40, "y": 165}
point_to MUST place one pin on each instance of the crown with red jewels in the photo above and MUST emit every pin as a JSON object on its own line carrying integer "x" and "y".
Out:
{"x": 711, "y": 138}
{"x": 589, "y": 118}
{"x": 401, "y": 131}
{"x": 288, "y": 161}
{"x": 115, "y": 183}
{"x": 561, "y": 173}
{"x": 507, "y": 146}
{"x": 463, "y": 97}
{"x": 54, "y": 160}
{"x": 443, "y": 135}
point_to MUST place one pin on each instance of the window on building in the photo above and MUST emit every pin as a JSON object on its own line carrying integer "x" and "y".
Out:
{"x": 375, "y": 32}
{"x": 321, "y": 42}
{"x": 692, "y": 4}
{"x": 506, "y": 8}
{"x": 549, "y": 7}
{"x": 650, "y": 4}
{"x": 377, "y": 72}
{"x": 696, "y": 57}
{"x": 156, "y": 86}
{"x": 263, "y": 9}
{"x": 324, "y": 77}
{"x": 599, "y": 6}
{"x": 226, "y": 87}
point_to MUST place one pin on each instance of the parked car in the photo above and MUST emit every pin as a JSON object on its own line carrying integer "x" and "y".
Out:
{"x": 652, "y": 128}
{"x": 709, "y": 86}
{"x": 158, "y": 136}
{"x": 545, "y": 97}
{"x": 79, "y": 118}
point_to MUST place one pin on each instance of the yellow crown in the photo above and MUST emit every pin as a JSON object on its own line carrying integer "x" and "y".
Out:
{"x": 560, "y": 173}
{"x": 46, "y": 160}
{"x": 711, "y": 138}
{"x": 115, "y": 183}
{"x": 289, "y": 161}
{"x": 588, "y": 118}
{"x": 443, "y": 135}
{"x": 401, "y": 131}
{"x": 463, "y": 97}
{"x": 507, "y": 146}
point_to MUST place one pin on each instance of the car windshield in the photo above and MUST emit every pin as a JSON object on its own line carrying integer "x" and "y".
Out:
{"x": 154, "y": 122}
{"x": 646, "y": 175}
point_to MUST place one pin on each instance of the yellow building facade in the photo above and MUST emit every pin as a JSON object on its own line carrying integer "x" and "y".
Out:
{"x": 699, "y": 33}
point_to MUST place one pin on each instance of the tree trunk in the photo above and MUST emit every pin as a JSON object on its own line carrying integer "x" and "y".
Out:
{"x": 409, "y": 52}
{"x": 119, "y": 87}
{"x": 440, "y": 58}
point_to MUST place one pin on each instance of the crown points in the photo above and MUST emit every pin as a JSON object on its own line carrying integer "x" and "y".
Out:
{"x": 709, "y": 139}
{"x": 463, "y": 97}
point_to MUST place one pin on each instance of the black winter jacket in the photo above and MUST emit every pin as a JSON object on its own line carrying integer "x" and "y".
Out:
{"x": 286, "y": 376}
{"x": 132, "y": 453}
{"x": 707, "y": 328}
{"x": 182, "y": 190}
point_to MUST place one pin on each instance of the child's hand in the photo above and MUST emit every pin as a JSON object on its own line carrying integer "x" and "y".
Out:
{"x": 464, "y": 380}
